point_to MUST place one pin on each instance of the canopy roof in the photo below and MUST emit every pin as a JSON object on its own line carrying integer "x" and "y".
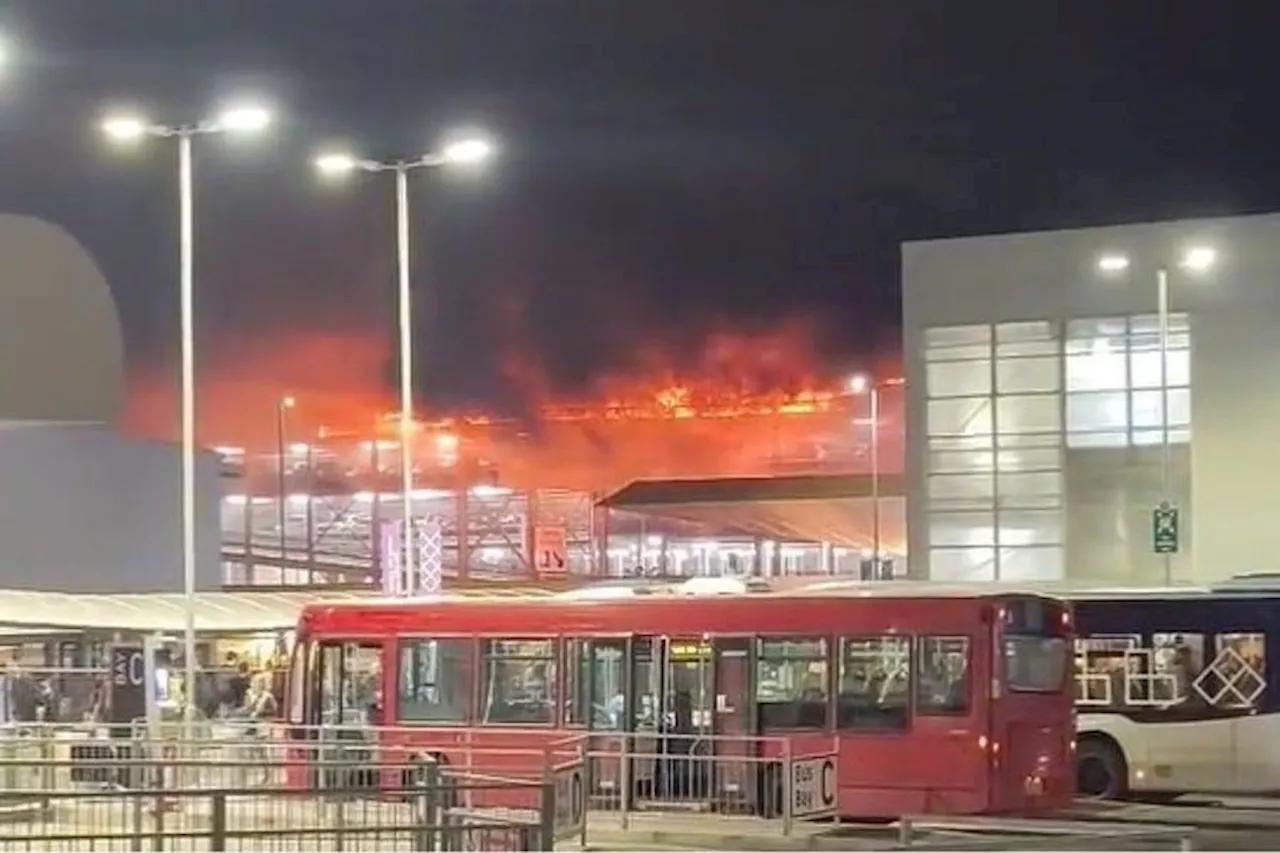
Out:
{"x": 215, "y": 612}
{"x": 831, "y": 508}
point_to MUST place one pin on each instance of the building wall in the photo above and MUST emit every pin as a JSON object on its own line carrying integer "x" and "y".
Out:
{"x": 1035, "y": 424}
{"x": 85, "y": 509}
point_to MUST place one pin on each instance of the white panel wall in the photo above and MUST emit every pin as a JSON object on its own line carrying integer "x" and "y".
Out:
{"x": 85, "y": 509}
{"x": 1230, "y": 521}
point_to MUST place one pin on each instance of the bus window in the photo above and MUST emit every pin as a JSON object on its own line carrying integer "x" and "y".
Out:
{"x": 1176, "y": 664}
{"x": 519, "y": 682}
{"x": 875, "y": 683}
{"x": 942, "y": 676}
{"x": 791, "y": 683}
{"x": 349, "y": 681}
{"x": 608, "y": 685}
{"x": 298, "y": 665}
{"x": 435, "y": 679}
{"x": 1237, "y": 676}
{"x": 577, "y": 676}
{"x": 1034, "y": 664}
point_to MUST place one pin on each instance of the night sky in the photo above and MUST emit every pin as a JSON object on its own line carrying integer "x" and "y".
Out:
{"x": 667, "y": 166}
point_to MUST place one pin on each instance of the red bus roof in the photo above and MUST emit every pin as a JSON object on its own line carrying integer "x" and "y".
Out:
{"x": 703, "y": 605}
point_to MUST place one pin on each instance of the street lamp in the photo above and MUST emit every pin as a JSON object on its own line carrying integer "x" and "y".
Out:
{"x": 863, "y": 384}
{"x": 1196, "y": 259}
{"x": 469, "y": 151}
{"x": 132, "y": 128}
{"x": 282, "y": 406}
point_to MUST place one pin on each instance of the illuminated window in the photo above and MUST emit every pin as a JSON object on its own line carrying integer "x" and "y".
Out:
{"x": 943, "y": 687}
{"x": 518, "y": 684}
{"x": 435, "y": 680}
{"x": 875, "y": 683}
{"x": 791, "y": 683}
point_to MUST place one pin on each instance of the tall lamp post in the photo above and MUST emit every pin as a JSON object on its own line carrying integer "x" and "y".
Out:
{"x": 283, "y": 405}
{"x": 863, "y": 384}
{"x": 1198, "y": 259}
{"x": 461, "y": 153}
{"x": 131, "y": 128}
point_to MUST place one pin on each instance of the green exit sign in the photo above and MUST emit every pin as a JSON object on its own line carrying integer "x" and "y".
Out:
{"x": 1164, "y": 529}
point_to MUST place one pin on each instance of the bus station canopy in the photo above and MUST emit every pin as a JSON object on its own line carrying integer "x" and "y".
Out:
{"x": 215, "y": 612}
{"x": 825, "y": 508}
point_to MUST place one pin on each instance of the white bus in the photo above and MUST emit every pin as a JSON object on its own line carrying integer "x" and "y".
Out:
{"x": 1177, "y": 690}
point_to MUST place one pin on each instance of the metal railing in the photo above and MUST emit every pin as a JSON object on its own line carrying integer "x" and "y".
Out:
{"x": 137, "y": 792}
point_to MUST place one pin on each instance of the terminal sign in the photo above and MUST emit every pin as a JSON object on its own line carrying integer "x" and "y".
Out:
{"x": 550, "y": 544}
{"x": 813, "y": 787}
{"x": 1164, "y": 529}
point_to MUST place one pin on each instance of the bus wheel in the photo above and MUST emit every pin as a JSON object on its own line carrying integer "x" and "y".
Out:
{"x": 1101, "y": 771}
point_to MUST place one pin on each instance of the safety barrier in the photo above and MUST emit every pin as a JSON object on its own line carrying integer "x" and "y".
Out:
{"x": 136, "y": 793}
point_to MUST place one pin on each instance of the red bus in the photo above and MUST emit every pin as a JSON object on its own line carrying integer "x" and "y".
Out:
{"x": 931, "y": 701}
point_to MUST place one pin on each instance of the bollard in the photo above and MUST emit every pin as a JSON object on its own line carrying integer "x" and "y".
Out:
{"x": 218, "y": 821}
{"x": 427, "y": 780}
{"x": 905, "y": 832}
{"x": 1187, "y": 843}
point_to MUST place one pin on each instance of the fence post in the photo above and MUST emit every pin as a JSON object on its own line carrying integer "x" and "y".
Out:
{"x": 624, "y": 782}
{"x": 427, "y": 780}
{"x": 588, "y": 786}
{"x": 218, "y": 821}
{"x": 1187, "y": 843}
{"x": 135, "y": 843}
{"x": 787, "y": 794}
{"x": 547, "y": 817}
{"x": 905, "y": 831}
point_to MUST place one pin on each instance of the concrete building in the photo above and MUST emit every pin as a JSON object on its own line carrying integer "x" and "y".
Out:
{"x": 83, "y": 508}
{"x": 1043, "y": 430}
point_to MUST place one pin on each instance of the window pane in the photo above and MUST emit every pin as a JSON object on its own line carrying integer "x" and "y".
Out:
{"x": 577, "y": 669}
{"x": 519, "y": 682}
{"x": 1019, "y": 375}
{"x": 1088, "y": 335}
{"x": 1024, "y": 484}
{"x": 1031, "y": 338}
{"x": 947, "y": 336}
{"x": 961, "y": 462}
{"x": 1144, "y": 368}
{"x": 1031, "y": 564}
{"x": 962, "y": 442}
{"x": 875, "y": 683}
{"x": 1100, "y": 370}
{"x": 962, "y": 565}
{"x": 943, "y": 685}
{"x": 962, "y": 486}
{"x": 1146, "y": 408}
{"x": 1145, "y": 329}
{"x": 1030, "y": 459}
{"x": 962, "y": 528}
{"x": 1035, "y": 664}
{"x": 1009, "y": 442}
{"x": 435, "y": 679}
{"x": 960, "y": 416}
{"x": 1031, "y": 527}
{"x": 958, "y": 378}
{"x": 1152, "y": 437}
{"x": 1100, "y": 411}
{"x": 791, "y": 683}
{"x": 1238, "y": 674}
{"x": 1083, "y": 440}
{"x": 1028, "y": 413}
{"x": 608, "y": 690}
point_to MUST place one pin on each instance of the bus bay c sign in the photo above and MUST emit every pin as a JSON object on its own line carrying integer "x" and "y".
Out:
{"x": 814, "y": 786}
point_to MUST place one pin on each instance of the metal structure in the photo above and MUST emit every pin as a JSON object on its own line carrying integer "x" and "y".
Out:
{"x": 494, "y": 487}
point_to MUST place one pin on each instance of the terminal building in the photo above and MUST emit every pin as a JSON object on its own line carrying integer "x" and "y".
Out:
{"x": 1059, "y": 396}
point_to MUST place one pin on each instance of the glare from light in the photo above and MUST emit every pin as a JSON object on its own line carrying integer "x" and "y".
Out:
{"x": 1113, "y": 263}
{"x": 244, "y": 119}
{"x": 467, "y": 151}
{"x": 859, "y": 383}
{"x": 124, "y": 128}
{"x": 1199, "y": 258}
{"x": 335, "y": 164}
{"x": 287, "y": 402}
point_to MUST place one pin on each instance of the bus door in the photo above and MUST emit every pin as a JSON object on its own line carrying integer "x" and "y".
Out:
{"x": 687, "y": 721}
{"x": 345, "y": 708}
{"x": 734, "y": 778}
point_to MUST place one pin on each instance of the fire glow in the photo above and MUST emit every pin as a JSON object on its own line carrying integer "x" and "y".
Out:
{"x": 744, "y": 405}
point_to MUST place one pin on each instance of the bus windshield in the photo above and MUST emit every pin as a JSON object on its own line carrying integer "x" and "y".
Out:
{"x": 1035, "y": 664}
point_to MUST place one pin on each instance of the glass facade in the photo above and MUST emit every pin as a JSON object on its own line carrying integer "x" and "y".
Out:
{"x": 1023, "y": 423}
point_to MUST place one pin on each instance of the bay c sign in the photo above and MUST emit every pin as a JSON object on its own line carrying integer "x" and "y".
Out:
{"x": 814, "y": 787}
